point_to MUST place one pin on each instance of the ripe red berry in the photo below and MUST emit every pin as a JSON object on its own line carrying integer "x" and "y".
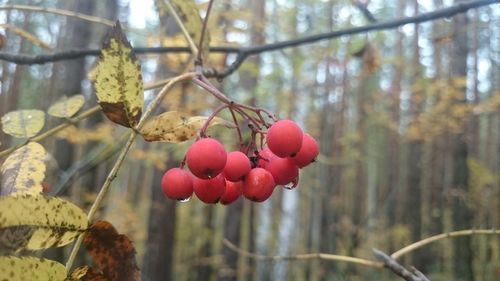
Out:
{"x": 284, "y": 138}
{"x": 265, "y": 156}
{"x": 237, "y": 166}
{"x": 233, "y": 192}
{"x": 283, "y": 170}
{"x": 307, "y": 152}
{"x": 177, "y": 184}
{"x": 258, "y": 185}
{"x": 206, "y": 158}
{"x": 211, "y": 190}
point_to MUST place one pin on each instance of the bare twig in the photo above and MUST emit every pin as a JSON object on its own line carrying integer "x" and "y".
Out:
{"x": 244, "y": 52}
{"x": 60, "y": 12}
{"x": 27, "y": 35}
{"x": 114, "y": 171}
{"x": 398, "y": 269}
{"x": 419, "y": 244}
{"x": 199, "y": 60}
{"x": 321, "y": 256}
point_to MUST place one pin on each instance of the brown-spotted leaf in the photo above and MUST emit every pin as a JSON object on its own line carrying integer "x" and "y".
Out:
{"x": 67, "y": 107}
{"x": 173, "y": 126}
{"x": 86, "y": 273}
{"x": 118, "y": 80}
{"x": 34, "y": 222}
{"x": 23, "y": 123}
{"x": 23, "y": 171}
{"x": 112, "y": 253}
{"x": 30, "y": 268}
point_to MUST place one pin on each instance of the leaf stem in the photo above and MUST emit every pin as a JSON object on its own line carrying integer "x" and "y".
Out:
{"x": 114, "y": 171}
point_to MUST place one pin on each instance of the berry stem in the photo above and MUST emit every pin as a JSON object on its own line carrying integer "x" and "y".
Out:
{"x": 240, "y": 137}
{"x": 203, "y": 129}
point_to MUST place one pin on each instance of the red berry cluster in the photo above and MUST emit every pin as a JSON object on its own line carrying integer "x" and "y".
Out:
{"x": 220, "y": 176}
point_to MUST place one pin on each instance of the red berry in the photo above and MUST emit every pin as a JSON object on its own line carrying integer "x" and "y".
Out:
{"x": 307, "y": 152}
{"x": 206, "y": 158}
{"x": 211, "y": 190}
{"x": 233, "y": 192}
{"x": 284, "y": 138}
{"x": 283, "y": 170}
{"x": 237, "y": 166}
{"x": 265, "y": 156}
{"x": 177, "y": 184}
{"x": 258, "y": 185}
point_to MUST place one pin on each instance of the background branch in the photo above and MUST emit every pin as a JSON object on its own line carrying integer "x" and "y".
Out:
{"x": 244, "y": 52}
{"x": 398, "y": 269}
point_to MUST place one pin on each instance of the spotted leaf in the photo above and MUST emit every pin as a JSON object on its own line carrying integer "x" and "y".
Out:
{"x": 34, "y": 222}
{"x": 173, "y": 126}
{"x": 30, "y": 268}
{"x": 23, "y": 171}
{"x": 112, "y": 253}
{"x": 118, "y": 81}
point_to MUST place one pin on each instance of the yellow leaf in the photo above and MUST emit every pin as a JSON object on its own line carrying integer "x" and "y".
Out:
{"x": 190, "y": 16}
{"x": 86, "y": 273}
{"x": 24, "y": 170}
{"x": 31, "y": 268}
{"x": 34, "y": 222}
{"x": 23, "y": 123}
{"x": 67, "y": 107}
{"x": 173, "y": 126}
{"x": 118, "y": 80}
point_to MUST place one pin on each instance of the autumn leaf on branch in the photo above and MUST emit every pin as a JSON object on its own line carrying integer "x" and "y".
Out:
{"x": 118, "y": 81}
{"x": 67, "y": 107}
{"x": 112, "y": 253}
{"x": 34, "y": 222}
{"x": 23, "y": 123}
{"x": 23, "y": 171}
{"x": 30, "y": 268}
{"x": 174, "y": 126}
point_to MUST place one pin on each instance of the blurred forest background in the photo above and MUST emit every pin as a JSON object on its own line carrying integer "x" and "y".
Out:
{"x": 408, "y": 121}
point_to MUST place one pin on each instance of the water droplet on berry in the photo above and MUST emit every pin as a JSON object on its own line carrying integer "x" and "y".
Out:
{"x": 184, "y": 200}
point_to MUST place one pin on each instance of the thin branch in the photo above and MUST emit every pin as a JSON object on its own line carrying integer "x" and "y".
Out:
{"x": 26, "y": 35}
{"x": 203, "y": 33}
{"x": 61, "y": 12}
{"x": 173, "y": 12}
{"x": 243, "y": 52}
{"x": 114, "y": 171}
{"x": 398, "y": 269}
{"x": 321, "y": 256}
{"x": 419, "y": 244}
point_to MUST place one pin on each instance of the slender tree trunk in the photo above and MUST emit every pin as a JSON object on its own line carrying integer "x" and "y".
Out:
{"x": 462, "y": 215}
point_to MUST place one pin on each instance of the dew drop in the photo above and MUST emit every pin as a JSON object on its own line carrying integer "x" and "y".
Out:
{"x": 184, "y": 200}
{"x": 290, "y": 186}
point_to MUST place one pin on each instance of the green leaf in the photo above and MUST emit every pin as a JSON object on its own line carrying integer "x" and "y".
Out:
{"x": 23, "y": 123}
{"x": 67, "y": 107}
{"x": 173, "y": 126}
{"x": 34, "y": 222}
{"x": 30, "y": 268}
{"x": 118, "y": 80}
{"x": 23, "y": 171}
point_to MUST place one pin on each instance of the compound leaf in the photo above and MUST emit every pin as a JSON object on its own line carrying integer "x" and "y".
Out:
{"x": 67, "y": 107}
{"x": 23, "y": 123}
{"x": 118, "y": 80}
{"x": 30, "y": 268}
{"x": 23, "y": 171}
{"x": 34, "y": 222}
